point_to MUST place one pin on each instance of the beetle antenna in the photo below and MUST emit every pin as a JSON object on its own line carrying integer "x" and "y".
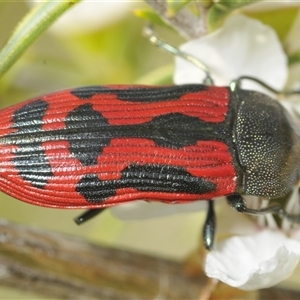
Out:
{"x": 148, "y": 32}
{"x": 237, "y": 202}
{"x": 237, "y": 84}
{"x": 289, "y": 93}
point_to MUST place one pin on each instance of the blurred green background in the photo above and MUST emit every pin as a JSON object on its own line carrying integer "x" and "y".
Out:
{"x": 101, "y": 42}
{"x": 114, "y": 52}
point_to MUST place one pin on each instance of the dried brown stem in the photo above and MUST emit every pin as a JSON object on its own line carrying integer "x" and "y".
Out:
{"x": 64, "y": 267}
{"x": 57, "y": 265}
{"x": 187, "y": 24}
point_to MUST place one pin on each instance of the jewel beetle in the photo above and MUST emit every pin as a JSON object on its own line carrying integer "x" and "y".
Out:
{"x": 98, "y": 146}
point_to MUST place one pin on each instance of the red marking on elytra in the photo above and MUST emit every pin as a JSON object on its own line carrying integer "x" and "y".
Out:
{"x": 210, "y": 160}
{"x": 208, "y": 105}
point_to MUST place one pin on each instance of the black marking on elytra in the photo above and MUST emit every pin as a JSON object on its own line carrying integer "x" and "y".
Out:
{"x": 154, "y": 178}
{"x": 88, "y": 132}
{"x": 94, "y": 190}
{"x": 90, "y": 128}
{"x": 140, "y": 94}
{"x": 176, "y": 130}
{"x": 30, "y": 159}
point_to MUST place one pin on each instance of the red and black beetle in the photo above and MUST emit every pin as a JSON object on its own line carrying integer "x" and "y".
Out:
{"x": 99, "y": 146}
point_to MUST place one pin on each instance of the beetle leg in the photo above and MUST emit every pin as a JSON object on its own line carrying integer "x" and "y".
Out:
{"x": 209, "y": 226}
{"x": 87, "y": 215}
{"x": 237, "y": 202}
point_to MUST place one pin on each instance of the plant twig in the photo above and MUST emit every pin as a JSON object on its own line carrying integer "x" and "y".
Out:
{"x": 61, "y": 266}
{"x": 187, "y": 24}
{"x": 56, "y": 265}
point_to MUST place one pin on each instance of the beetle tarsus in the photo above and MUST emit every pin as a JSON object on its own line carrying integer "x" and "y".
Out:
{"x": 87, "y": 215}
{"x": 237, "y": 202}
{"x": 209, "y": 226}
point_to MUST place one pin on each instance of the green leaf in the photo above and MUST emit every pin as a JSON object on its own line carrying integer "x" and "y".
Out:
{"x": 294, "y": 58}
{"x": 281, "y": 19}
{"x": 220, "y": 10}
{"x": 29, "y": 29}
{"x": 149, "y": 15}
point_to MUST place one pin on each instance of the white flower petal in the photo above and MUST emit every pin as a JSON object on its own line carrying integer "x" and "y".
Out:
{"x": 243, "y": 46}
{"x": 296, "y": 234}
{"x": 253, "y": 262}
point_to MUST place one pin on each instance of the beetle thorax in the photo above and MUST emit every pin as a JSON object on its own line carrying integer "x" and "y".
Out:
{"x": 267, "y": 146}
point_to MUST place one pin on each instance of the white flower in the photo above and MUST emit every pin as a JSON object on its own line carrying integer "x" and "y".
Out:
{"x": 263, "y": 255}
{"x": 254, "y": 261}
{"x": 241, "y": 47}
{"x": 260, "y": 254}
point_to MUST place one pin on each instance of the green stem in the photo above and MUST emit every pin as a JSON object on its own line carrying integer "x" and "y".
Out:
{"x": 29, "y": 29}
